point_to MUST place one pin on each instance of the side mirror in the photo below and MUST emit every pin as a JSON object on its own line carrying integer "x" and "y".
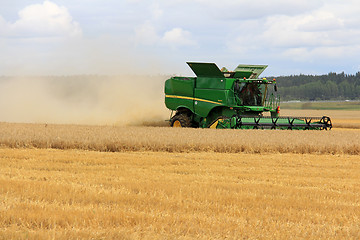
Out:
{"x": 275, "y": 88}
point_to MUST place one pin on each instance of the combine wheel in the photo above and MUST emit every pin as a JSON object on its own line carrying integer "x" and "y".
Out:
{"x": 180, "y": 120}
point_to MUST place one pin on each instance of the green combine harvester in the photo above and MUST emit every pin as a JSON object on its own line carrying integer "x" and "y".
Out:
{"x": 236, "y": 99}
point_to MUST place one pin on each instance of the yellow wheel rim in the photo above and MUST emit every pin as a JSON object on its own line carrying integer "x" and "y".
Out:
{"x": 177, "y": 123}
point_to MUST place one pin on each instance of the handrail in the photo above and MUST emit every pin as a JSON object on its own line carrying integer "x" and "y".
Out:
{"x": 272, "y": 102}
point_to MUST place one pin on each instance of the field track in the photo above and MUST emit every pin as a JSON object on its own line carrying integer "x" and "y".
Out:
{"x": 47, "y": 193}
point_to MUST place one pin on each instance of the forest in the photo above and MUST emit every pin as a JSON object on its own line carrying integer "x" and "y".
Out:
{"x": 332, "y": 86}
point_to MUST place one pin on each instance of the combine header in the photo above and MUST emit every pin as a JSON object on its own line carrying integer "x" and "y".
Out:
{"x": 238, "y": 99}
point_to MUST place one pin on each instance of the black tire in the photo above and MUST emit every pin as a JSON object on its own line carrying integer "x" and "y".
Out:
{"x": 180, "y": 120}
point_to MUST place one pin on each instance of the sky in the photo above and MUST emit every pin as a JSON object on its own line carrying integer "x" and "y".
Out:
{"x": 112, "y": 37}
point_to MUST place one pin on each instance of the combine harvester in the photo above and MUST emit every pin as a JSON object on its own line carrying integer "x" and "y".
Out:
{"x": 222, "y": 99}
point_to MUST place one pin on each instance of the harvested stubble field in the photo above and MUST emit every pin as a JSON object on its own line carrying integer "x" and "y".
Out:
{"x": 75, "y": 194}
{"x": 112, "y": 182}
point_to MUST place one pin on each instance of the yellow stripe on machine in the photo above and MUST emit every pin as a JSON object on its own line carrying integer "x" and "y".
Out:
{"x": 191, "y": 98}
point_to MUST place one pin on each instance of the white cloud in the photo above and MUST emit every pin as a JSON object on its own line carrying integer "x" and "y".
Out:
{"x": 156, "y": 11}
{"x": 178, "y": 37}
{"x": 316, "y": 29}
{"x": 320, "y": 21}
{"x": 273, "y": 32}
{"x": 254, "y": 9}
{"x": 146, "y": 34}
{"x": 320, "y": 34}
{"x": 42, "y": 20}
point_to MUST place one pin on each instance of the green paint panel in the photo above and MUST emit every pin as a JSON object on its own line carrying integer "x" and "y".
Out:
{"x": 210, "y": 83}
{"x": 256, "y": 70}
{"x": 180, "y": 86}
{"x": 229, "y": 84}
{"x": 215, "y": 95}
{"x": 175, "y": 103}
{"x": 203, "y": 108}
{"x": 205, "y": 69}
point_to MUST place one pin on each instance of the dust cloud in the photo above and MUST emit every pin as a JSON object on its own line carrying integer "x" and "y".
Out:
{"x": 84, "y": 99}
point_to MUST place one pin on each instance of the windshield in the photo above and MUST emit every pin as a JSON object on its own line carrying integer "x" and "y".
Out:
{"x": 250, "y": 94}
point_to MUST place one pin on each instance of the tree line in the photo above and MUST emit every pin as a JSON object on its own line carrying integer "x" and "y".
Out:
{"x": 332, "y": 86}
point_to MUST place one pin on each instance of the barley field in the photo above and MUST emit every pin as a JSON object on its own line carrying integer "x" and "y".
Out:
{"x": 146, "y": 182}
{"x": 78, "y": 194}
{"x": 159, "y": 139}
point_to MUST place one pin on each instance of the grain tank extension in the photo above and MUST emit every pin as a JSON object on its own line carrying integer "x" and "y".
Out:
{"x": 230, "y": 99}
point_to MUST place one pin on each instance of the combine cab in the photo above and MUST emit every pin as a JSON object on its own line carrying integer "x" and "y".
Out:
{"x": 230, "y": 99}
